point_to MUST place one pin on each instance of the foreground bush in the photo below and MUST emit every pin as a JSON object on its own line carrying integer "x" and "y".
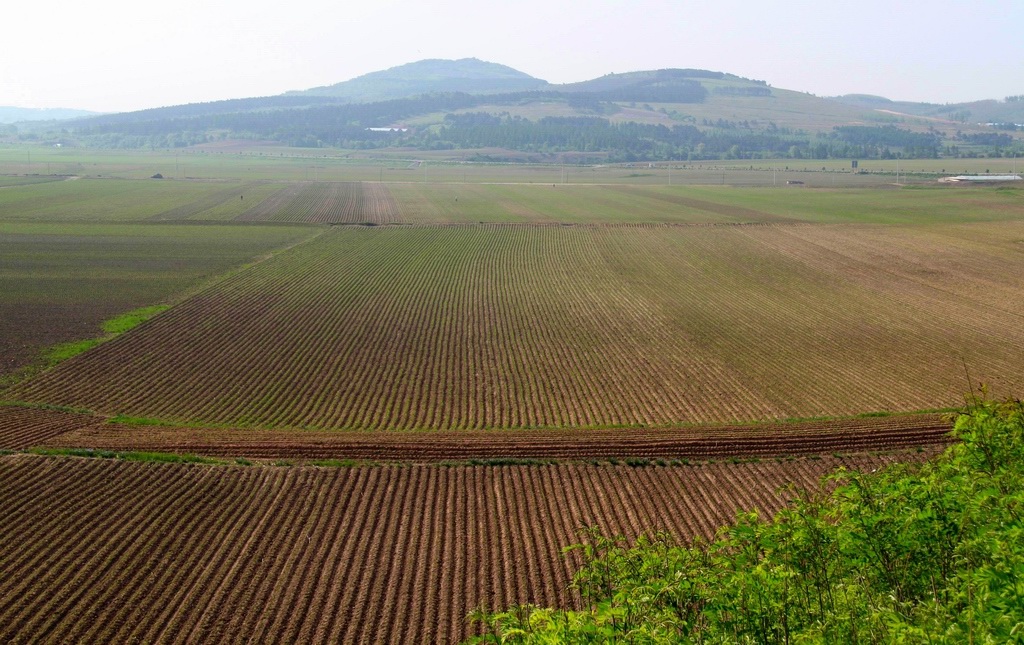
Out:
{"x": 932, "y": 553}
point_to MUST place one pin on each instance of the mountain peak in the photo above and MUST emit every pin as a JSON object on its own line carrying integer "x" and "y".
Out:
{"x": 470, "y": 75}
{"x": 446, "y": 68}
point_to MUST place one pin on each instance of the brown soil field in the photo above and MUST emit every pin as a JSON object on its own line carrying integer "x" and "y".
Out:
{"x": 26, "y": 427}
{"x": 101, "y": 550}
{"x": 480, "y": 327}
{"x": 761, "y": 440}
{"x": 26, "y": 328}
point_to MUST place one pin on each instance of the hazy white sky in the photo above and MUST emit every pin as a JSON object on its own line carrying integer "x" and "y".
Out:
{"x": 118, "y": 55}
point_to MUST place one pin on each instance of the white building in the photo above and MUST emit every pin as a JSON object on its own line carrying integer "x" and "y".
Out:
{"x": 979, "y": 179}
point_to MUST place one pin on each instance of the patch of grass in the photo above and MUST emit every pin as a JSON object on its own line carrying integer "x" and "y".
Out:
{"x": 73, "y": 452}
{"x": 336, "y": 463}
{"x": 509, "y": 461}
{"x": 158, "y": 457}
{"x": 167, "y": 457}
{"x": 64, "y": 351}
{"x": 138, "y": 421}
{"x": 132, "y": 319}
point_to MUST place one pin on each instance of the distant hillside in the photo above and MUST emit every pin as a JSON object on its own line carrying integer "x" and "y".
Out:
{"x": 662, "y": 85}
{"x": 1009, "y": 110}
{"x": 484, "y": 110}
{"x": 207, "y": 109}
{"x": 15, "y": 114}
{"x": 469, "y": 75}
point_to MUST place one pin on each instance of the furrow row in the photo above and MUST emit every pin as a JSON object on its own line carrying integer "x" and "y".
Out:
{"x": 122, "y": 551}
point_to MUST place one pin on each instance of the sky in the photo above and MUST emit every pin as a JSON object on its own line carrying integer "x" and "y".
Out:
{"x": 116, "y": 55}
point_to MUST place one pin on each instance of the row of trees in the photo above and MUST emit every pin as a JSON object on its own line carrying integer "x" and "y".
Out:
{"x": 636, "y": 141}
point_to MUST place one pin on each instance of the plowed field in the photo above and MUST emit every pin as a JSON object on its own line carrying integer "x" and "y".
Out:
{"x": 58, "y": 282}
{"x": 110, "y": 551}
{"x": 478, "y": 327}
{"x": 327, "y": 203}
{"x": 27, "y": 427}
{"x": 442, "y": 335}
{"x": 698, "y": 442}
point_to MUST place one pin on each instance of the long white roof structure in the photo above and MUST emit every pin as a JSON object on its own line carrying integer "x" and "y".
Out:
{"x": 981, "y": 178}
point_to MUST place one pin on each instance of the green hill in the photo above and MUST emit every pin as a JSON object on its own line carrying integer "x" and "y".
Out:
{"x": 1009, "y": 110}
{"x": 469, "y": 75}
{"x": 499, "y": 113}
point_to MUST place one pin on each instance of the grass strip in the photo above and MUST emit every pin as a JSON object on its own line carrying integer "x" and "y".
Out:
{"x": 126, "y": 420}
{"x": 112, "y": 328}
{"x": 158, "y": 457}
{"x": 132, "y": 319}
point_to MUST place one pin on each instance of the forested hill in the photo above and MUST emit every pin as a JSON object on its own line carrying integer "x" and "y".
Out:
{"x": 667, "y": 114}
{"x": 468, "y": 75}
{"x": 1008, "y": 111}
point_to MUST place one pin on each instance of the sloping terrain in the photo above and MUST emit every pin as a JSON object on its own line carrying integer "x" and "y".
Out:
{"x": 469, "y": 75}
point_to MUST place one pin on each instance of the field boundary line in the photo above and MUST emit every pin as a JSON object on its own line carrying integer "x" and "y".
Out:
{"x": 216, "y": 280}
